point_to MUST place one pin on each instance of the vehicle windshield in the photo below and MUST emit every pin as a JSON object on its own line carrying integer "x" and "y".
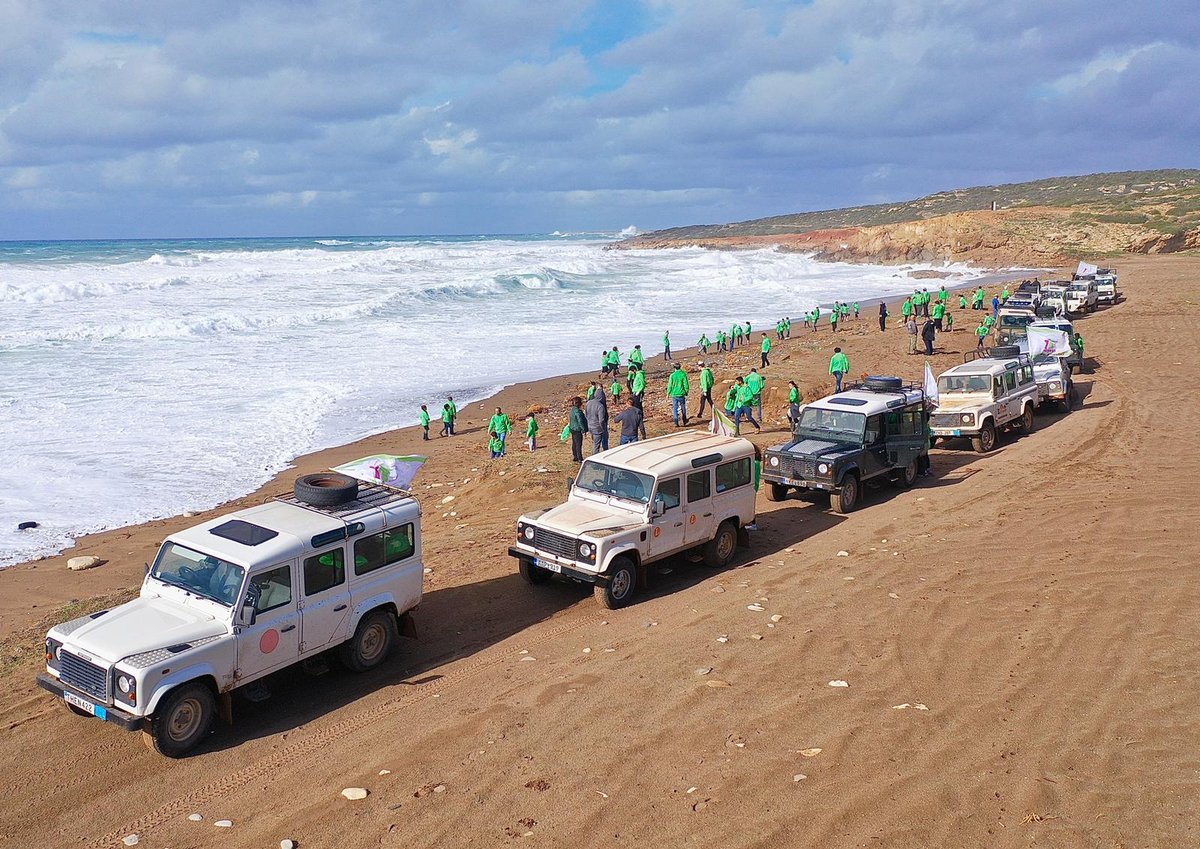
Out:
{"x": 835, "y": 425}
{"x": 200, "y": 574}
{"x": 1015, "y": 320}
{"x": 962, "y": 384}
{"x": 1079, "y": 287}
{"x": 609, "y": 480}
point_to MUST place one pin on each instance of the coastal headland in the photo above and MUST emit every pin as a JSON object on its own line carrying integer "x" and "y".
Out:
{"x": 1018, "y": 634}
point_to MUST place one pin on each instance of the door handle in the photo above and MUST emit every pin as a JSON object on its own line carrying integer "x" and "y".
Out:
{"x": 339, "y": 607}
{"x": 708, "y": 515}
{"x": 679, "y": 524}
{"x": 288, "y": 628}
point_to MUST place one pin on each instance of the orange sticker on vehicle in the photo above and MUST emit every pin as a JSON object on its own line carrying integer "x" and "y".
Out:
{"x": 657, "y": 531}
{"x": 692, "y": 519}
{"x": 269, "y": 641}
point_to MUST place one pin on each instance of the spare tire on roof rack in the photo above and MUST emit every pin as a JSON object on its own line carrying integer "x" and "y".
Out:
{"x": 325, "y": 489}
{"x": 1004, "y": 351}
{"x": 878, "y": 383}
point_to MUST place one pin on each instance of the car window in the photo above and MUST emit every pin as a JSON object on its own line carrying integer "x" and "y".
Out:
{"x": 383, "y": 549}
{"x": 699, "y": 486}
{"x": 874, "y": 432}
{"x": 273, "y": 588}
{"x": 668, "y": 494}
{"x": 1010, "y": 380}
{"x": 734, "y": 474}
{"x": 998, "y": 387}
{"x": 324, "y": 571}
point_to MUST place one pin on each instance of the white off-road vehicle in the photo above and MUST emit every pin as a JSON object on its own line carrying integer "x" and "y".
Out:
{"x": 983, "y": 396}
{"x": 236, "y": 598}
{"x": 639, "y": 503}
{"x": 1053, "y": 378}
{"x": 1082, "y": 296}
{"x": 1106, "y": 286}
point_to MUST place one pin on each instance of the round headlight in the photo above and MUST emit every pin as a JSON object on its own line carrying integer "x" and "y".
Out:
{"x": 58, "y": 652}
{"x": 966, "y": 417}
{"x": 529, "y": 534}
{"x": 585, "y": 550}
{"x": 775, "y": 461}
{"x": 124, "y": 684}
{"x": 823, "y": 468}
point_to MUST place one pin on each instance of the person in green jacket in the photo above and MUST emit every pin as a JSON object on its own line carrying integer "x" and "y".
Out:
{"x": 766, "y": 349}
{"x": 981, "y": 333}
{"x": 977, "y": 300}
{"x": 794, "y": 398}
{"x": 703, "y": 343}
{"x": 615, "y": 391}
{"x": 637, "y": 394}
{"x": 451, "y": 408}
{"x": 424, "y": 423}
{"x": 756, "y": 382}
{"x": 1077, "y": 344}
{"x": 706, "y": 386}
{"x": 495, "y": 445}
{"x": 990, "y": 321}
{"x": 962, "y": 301}
{"x": 636, "y": 357}
{"x": 949, "y": 321}
{"x": 839, "y": 367}
{"x": 604, "y": 364}
{"x": 677, "y": 389}
{"x": 747, "y": 332}
{"x": 667, "y": 345}
{"x": 500, "y": 425}
{"x": 731, "y": 398}
{"x": 834, "y": 317}
{"x": 531, "y": 432}
{"x": 614, "y": 360}
{"x": 1005, "y": 294}
{"x": 745, "y": 409}
{"x": 906, "y": 309}
{"x": 939, "y": 313}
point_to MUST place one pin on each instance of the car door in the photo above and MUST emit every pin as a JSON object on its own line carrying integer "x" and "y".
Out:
{"x": 873, "y": 459}
{"x": 325, "y": 608}
{"x": 667, "y": 522}
{"x": 273, "y": 640}
{"x": 700, "y": 523}
{"x": 905, "y": 436}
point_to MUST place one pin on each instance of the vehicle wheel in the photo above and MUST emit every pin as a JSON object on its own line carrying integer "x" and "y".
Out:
{"x": 1071, "y": 401}
{"x": 619, "y": 589}
{"x": 325, "y": 489}
{"x": 719, "y": 550}
{"x": 986, "y": 440}
{"x": 1027, "y": 419}
{"x": 532, "y": 573}
{"x": 845, "y": 498}
{"x": 184, "y": 718}
{"x": 777, "y": 492}
{"x": 908, "y": 475}
{"x": 372, "y": 642}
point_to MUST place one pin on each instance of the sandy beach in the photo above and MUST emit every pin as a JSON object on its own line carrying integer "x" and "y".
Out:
{"x": 1018, "y": 634}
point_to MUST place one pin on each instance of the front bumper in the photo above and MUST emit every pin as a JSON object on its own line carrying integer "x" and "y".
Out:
{"x": 114, "y": 715}
{"x": 949, "y": 432}
{"x": 801, "y": 483}
{"x": 555, "y": 565}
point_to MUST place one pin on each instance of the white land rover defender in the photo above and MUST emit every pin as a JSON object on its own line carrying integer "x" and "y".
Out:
{"x": 641, "y": 502}
{"x": 1053, "y": 378}
{"x": 231, "y": 600}
{"x": 1106, "y": 286}
{"x": 983, "y": 396}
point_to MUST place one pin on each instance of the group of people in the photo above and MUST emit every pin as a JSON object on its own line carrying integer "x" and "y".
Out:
{"x": 449, "y": 414}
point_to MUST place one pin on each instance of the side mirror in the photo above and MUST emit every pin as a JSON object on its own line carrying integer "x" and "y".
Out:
{"x": 570, "y": 484}
{"x": 248, "y": 612}
{"x": 659, "y": 508}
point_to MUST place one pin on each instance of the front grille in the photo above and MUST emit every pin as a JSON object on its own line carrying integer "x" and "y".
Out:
{"x": 555, "y": 543}
{"x": 945, "y": 420}
{"x": 84, "y": 676}
{"x": 796, "y": 468}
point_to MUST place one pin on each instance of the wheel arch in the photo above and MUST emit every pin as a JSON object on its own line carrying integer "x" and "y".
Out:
{"x": 199, "y": 673}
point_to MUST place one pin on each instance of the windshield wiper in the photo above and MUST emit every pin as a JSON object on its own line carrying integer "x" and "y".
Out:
{"x": 191, "y": 590}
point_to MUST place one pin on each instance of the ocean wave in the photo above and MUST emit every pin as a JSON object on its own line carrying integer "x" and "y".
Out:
{"x": 333, "y": 242}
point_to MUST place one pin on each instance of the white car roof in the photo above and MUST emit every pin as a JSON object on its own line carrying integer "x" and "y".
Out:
{"x": 674, "y": 453}
{"x": 986, "y": 366}
{"x": 866, "y": 402}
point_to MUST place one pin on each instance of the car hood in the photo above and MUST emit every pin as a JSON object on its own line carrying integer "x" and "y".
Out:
{"x": 142, "y": 625}
{"x": 822, "y": 448}
{"x": 576, "y": 517}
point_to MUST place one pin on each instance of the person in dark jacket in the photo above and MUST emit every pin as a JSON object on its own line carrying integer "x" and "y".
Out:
{"x": 630, "y": 420}
{"x": 596, "y": 413}
{"x": 928, "y": 334}
{"x": 577, "y": 425}
{"x": 883, "y": 316}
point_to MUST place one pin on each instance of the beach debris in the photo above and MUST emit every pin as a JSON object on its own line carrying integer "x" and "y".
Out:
{"x": 776, "y": 617}
{"x": 587, "y": 651}
{"x": 843, "y": 553}
{"x": 223, "y": 824}
{"x": 799, "y": 776}
{"x": 1035, "y": 817}
{"x": 601, "y": 794}
{"x": 920, "y": 706}
{"x": 447, "y": 499}
{"x": 428, "y": 571}
{"x": 718, "y": 589}
{"x": 26, "y": 526}
{"x": 441, "y": 788}
{"x": 692, "y": 790}
{"x": 528, "y": 657}
{"x": 385, "y": 772}
{"x": 77, "y": 564}
{"x": 722, "y": 639}
{"x": 810, "y": 753}
{"x": 541, "y": 785}
{"x": 195, "y": 817}
{"x": 848, "y": 578}
{"x": 355, "y": 793}
{"x": 287, "y": 844}
{"x": 893, "y": 595}
{"x": 130, "y": 840}
{"x": 704, "y": 670}
{"x": 756, "y": 636}
{"x": 838, "y": 683}
{"x": 717, "y": 683}
{"x": 756, "y": 607}
{"x": 904, "y": 706}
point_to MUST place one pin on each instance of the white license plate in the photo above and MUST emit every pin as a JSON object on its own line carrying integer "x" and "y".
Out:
{"x": 548, "y": 565}
{"x": 83, "y": 704}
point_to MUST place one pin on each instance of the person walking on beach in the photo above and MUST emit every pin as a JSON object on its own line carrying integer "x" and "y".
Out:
{"x": 577, "y": 425}
{"x": 883, "y": 316}
{"x": 706, "y": 387}
{"x": 604, "y": 365}
{"x": 615, "y": 390}
{"x": 981, "y": 333}
{"x": 962, "y": 300}
{"x": 939, "y": 312}
{"x": 977, "y": 300}
{"x": 637, "y": 393}
{"x": 597, "y": 421}
{"x": 755, "y": 383}
{"x": 766, "y": 349}
{"x": 703, "y": 343}
{"x": 925, "y": 299}
{"x": 793, "y": 403}
{"x": 447, "y": 420}
{"x": 834, "y": 316}
{"x": 731, "y": 399}
{"x": 495, "y": 445}
{"x": 630, "y": 420}
{"x": 910, "y": 328}
{"x": 949, "y": 321}
{"x": 636, "y": 357}
{"x": 677, "y": 389}
{"x": 745, "y": 410}
{"x": 906, "y": 309}
{"x": 667, "y": 345}
{"x": 614, "y": 360}
{"x": 453, "y": 412}
{"x": 1077, "y": 344}
{"x": 500, "y": 425}
{"x": 424, "y": 423}
{"x": 839, "y": 366}
{"x": 531, "y": 432}
{"x": 856, "y": 310}
{"x": 928, "y": 334}
{"x": 995, "y": 306}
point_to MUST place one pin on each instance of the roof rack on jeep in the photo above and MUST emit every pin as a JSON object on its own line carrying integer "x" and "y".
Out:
{"x": 370, "y": 495}
{"x": 874, "y": 383}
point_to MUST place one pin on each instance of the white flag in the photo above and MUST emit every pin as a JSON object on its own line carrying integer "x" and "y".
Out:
{"x": 1046, "y": 343}
{"x": 721, "y": 425}
{"x": 931, "y": 390}
{"x": 1084, "y": 269}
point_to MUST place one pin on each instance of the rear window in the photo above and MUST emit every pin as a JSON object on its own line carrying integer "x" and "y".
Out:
{"x": 733, "y": 475}
{"x": 383, "y": 549}
{"x": 699, "y": 486}
{"x": 324, "y": 571}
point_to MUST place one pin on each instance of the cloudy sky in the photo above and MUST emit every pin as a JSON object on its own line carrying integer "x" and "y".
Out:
{"x": 306, "y": 117}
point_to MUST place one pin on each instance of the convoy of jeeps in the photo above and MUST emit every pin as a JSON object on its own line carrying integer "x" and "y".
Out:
{"x": 335, "y": 566}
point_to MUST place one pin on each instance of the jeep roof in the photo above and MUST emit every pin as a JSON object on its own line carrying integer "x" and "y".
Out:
{"x": 285, "y": 527}
{"x": 984, "y": 365}
{"x": 868, "y": 401}
{"x": 676, "y": 453}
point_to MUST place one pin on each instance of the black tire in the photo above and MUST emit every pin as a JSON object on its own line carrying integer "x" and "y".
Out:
{"x": 619, "y": 589}
{"x": 372, "y": 643}
{"x": 532, "y": 574}
{"x": 883, "y": 384}
{"x": 1026, "y": 424}
{"x": 776, "y": 491}
{"x": 986, "y": 440}
{"x": 184, "y": 717}
{"x": 1071, "y": 401}
{"x": 719, "y": 550}
{"x": 1001, "y": 352}
{"x": 325, "y": 489}
{"x": 908, "y": 475}
{"x": 845, "y": 498}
